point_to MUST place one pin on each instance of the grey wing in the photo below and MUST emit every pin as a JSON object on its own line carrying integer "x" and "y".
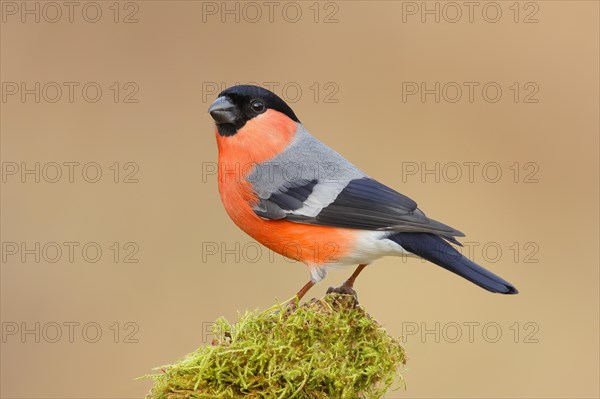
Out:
{"x": 344, "y": 198}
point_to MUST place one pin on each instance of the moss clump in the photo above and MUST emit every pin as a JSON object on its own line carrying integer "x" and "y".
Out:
{"x": 325, "y": 348}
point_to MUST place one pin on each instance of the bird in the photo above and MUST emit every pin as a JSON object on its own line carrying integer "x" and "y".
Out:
{"x": 305, "y": 201}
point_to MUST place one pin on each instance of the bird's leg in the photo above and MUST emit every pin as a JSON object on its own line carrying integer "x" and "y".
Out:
{"x": 302, "y": 292}
{"x": 352, "y": 278}
{"x": 348, "y": 286}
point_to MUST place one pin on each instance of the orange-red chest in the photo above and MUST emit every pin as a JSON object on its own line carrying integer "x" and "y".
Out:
{"x": 260, "y": 140}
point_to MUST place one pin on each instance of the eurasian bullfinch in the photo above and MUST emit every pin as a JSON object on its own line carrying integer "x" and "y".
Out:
{"x": 305, "y": 201}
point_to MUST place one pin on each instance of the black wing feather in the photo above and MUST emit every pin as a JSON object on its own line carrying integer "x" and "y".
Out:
{"x": 363, "y": 204}
{"x": 367, "y": 204}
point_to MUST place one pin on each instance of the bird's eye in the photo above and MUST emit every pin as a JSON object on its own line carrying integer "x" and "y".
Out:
{"x": 257, "y": 106}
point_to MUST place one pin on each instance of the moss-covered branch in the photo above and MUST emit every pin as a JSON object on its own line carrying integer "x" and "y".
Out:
{"x": 325, "y": 348}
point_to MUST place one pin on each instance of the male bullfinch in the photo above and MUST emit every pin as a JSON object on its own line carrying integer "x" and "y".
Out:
{"x": 305, "y": 201}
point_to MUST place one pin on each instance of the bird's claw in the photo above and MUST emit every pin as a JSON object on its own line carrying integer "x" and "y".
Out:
{"x": 343, "y": 289}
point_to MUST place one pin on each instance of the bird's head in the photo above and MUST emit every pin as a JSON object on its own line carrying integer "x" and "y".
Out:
{"x": 237, "y": 105}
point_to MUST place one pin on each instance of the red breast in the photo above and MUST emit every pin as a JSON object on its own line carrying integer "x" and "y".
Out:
{"x": 260, "y": 140}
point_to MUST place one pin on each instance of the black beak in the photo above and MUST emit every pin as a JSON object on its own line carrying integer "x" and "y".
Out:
{"x": 223, "y": 111}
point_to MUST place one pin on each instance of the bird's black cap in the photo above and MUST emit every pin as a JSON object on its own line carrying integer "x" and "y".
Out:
{"x": 238, "y": 104}
{"x": 251, "y": 92}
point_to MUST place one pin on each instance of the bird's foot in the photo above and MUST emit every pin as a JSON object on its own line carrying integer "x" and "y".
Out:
{"x": 343, "y": 289}
{"x": 290, "y": 307}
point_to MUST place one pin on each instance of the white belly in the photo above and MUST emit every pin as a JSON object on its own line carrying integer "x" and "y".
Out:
{"x": 370, "y": 246}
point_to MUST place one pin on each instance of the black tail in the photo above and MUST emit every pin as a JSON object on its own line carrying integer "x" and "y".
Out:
{"x": 434, "y": 249}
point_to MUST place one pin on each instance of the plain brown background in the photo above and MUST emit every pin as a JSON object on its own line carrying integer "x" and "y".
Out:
{"x": 174, "y": 211}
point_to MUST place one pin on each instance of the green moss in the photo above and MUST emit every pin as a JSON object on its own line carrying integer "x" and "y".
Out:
{"x": 326, "y": 348}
